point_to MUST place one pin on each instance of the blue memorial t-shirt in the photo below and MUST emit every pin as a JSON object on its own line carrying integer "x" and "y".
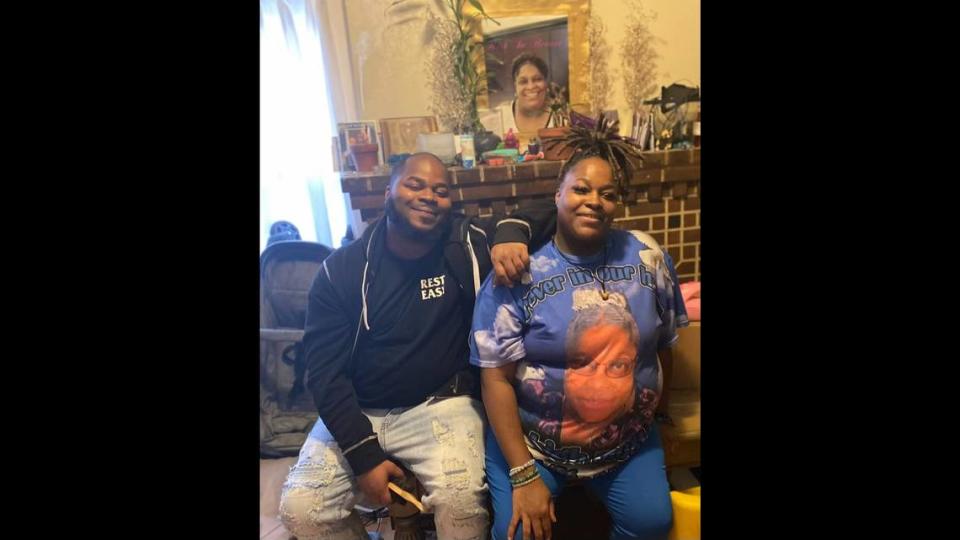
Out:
{"x": 588, "y": 379}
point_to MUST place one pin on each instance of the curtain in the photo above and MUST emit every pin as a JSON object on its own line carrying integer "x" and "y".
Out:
{"x": 297, "y": 122}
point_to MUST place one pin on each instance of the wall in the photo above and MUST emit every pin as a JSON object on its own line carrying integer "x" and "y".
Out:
{"x": 388, "y": 55}
{"x": 677, "y": 24}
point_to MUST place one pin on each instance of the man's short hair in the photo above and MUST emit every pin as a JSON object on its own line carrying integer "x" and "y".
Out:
{"x": 397, "y": 171}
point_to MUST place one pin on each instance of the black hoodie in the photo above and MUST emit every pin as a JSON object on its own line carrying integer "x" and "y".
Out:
{"x": 340, "y": 302}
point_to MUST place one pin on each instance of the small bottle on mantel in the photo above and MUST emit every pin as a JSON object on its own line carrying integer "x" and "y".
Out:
{"x": 696, "y": 129}
{"x": 468, "y": 151}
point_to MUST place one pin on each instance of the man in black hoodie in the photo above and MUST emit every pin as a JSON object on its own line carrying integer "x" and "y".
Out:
{"x": 387, "y": 360}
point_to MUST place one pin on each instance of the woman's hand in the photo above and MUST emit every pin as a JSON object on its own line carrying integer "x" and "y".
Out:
{"x": 533, "y": 506}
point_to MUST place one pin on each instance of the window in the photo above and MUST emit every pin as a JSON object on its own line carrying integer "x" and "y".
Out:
{"x": 297, "y": 180}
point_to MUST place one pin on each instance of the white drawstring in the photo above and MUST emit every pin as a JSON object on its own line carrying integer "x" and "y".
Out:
{"x": 363, "y": 283}
{"x": 363, "y": 295}
{"x": 473, "y": 260}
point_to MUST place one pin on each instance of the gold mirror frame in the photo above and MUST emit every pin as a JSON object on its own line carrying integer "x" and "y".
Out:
{"x": 577, "y": 13}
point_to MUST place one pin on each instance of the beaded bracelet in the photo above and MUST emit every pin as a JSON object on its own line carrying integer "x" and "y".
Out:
{"x": 523, "y": 474}
{"x": 521, "y": 478}
{"x": 515, "y": 470}
{"x": 525, "y": 481}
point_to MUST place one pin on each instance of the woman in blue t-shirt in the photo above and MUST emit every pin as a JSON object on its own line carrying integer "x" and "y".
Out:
{"x": 571, "y": 359}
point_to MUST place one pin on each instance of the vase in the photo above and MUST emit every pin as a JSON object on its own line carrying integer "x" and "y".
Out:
{"x": 550, "y": 142}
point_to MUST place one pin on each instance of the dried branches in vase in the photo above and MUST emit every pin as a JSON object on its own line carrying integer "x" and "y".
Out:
{"x": 639, "y": 58}
{"x": 451, "y": 99}
{"x": 601, "y": 75}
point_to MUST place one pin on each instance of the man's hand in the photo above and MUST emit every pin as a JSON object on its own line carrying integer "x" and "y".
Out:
{"x": 510, "y": 261}
{"x": 373, "y": 483}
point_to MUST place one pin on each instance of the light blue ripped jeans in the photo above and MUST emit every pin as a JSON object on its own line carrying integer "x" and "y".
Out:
{"x": 441, "y": 441}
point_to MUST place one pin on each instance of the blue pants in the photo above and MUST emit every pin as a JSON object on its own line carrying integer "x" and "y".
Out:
{"x": 636, "y": 493}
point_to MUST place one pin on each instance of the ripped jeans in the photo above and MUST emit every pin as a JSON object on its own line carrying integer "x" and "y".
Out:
{"x": 441, "y": 441}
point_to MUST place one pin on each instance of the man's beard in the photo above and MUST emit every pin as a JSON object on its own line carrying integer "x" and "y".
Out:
{"x": 402, "y": 226}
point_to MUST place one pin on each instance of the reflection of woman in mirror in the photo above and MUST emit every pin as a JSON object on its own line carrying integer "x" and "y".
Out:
{"x": 601, "y": 347}
{"x": 530, "y": 109}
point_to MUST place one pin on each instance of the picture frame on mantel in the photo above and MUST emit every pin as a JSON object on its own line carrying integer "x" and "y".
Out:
{"x": 492, "y": 119}
{"x": 352, "y": 133}
{"x": 400, "y": 134}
